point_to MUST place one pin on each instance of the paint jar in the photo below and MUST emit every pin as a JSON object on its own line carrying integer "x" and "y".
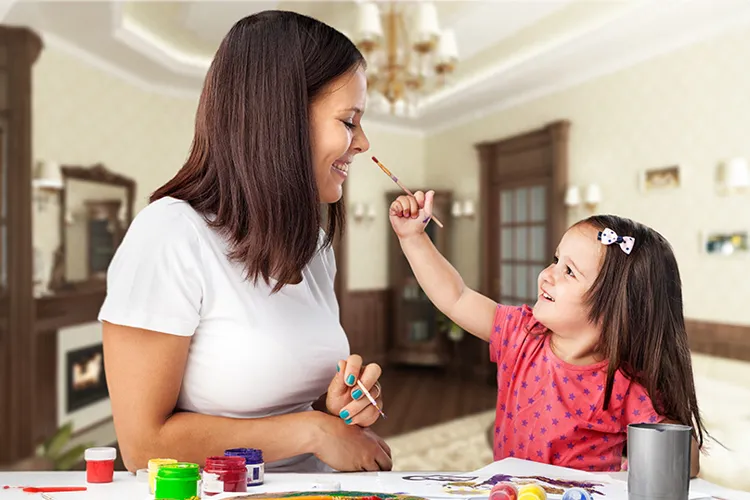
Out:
{"x": 231, "y": 470}
{"x": 576, "y": 494}
{"x": 178, "y": 481}
{"x": 253, "y": 463}
{"x": 531, "y": 492}
{"x": 504, "y": 491}
{"x": 153, "y": 468}
{"x": 212, "y": 485}
{"x": 100, "y": 464}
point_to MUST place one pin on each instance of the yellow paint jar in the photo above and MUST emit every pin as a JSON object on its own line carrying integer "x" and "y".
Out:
{"x": 531, "y": 492}
{"x": 153, "y": 468}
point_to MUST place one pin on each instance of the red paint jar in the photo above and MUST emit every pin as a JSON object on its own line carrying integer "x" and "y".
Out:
{"x": 100, "y": 464}
{"x": 231, "y": 471}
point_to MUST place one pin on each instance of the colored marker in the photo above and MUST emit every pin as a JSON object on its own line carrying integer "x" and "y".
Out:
{"x": 504, "y": 491}
{"x": 531, "y": 492}
{"x": 576, "y": 494}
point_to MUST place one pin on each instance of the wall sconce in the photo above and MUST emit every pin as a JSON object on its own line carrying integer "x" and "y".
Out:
{"x": 591, "y": 198}
{"x": 362, "y": 211}
{"x": 463, "y": 209}
{"x": 572, "y": 196}
{"x": 46, "y": 183}
{"x": 734, "y": 175}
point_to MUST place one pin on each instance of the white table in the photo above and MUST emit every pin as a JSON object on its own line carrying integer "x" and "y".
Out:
{"x": 126, "y": 487}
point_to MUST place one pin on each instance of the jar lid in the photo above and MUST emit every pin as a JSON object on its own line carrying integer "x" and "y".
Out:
{"x": 180, "y": 470}
{"x": 101, "y": 453}
{"x": 225, "y": 462}
{"x": 155, "y": 463}
{"x": 251, "y": 455}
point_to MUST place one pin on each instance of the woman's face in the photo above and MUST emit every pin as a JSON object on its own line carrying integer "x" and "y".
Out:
{"x": 336, "y": 133}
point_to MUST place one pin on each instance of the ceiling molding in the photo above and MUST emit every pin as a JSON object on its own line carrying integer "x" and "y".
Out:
{"x": 524, "y": 55}
{"x": 5, "y": 6}
{"x": 128, "y": 32}
{"x": 608, "y": 67}
{"x": 134, "y": 79}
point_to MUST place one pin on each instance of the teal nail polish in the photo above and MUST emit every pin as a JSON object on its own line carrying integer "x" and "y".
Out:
{"x": 350, "y": 379}
{"x": 344, "y": 414}
{"x": 357, "y": 394}
{"x": 348, "y": 421}
{"x": 338, "y": 368}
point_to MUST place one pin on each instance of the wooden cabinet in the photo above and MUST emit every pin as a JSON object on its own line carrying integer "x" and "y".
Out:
{"x": 416, "y": 333}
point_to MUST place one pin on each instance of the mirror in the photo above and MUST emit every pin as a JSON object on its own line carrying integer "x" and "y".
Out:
{"x": 96, "y": 208}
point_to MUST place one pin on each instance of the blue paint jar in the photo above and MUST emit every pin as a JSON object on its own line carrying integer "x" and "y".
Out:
{"x": 253, "y": 463}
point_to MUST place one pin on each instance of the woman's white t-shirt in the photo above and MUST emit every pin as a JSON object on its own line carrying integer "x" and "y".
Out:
{"x": 252, "y": 353}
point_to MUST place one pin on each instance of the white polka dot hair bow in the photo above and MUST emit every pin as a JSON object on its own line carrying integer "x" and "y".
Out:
{"x": 609, "y": 237}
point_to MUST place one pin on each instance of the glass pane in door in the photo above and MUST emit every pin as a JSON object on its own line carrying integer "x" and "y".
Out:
{"x": 523, "y": 242}
{"x": 538, "y": 203}
{"x": 522, "y": 205}
{"x": 506, "y": 206}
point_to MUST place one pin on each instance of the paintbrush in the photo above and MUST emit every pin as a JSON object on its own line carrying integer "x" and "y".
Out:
{"x": 395, "y": 179}
{"x": 372, "y": 400}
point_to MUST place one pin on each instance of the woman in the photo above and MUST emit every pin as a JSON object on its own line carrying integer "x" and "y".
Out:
{"x": 221, "y": 325}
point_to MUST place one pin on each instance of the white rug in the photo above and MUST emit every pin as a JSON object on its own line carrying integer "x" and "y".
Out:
{"x": 459, "y": 445}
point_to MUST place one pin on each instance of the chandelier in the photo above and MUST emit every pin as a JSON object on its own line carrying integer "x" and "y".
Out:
{"x": 408, "y": 55}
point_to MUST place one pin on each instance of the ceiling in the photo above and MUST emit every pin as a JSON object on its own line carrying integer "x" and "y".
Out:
{"x": 510, "y": 50}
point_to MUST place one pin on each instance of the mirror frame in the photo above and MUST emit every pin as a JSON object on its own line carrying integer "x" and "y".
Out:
{"x": 96, "y": 173}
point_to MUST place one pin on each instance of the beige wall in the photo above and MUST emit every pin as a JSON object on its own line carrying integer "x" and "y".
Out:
{"x": 403, "y": 154}
{"x": 690, "y": 107}
{"x": 83, "y": 115}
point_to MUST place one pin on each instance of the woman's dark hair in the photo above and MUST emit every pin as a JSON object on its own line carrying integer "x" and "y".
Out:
{"x": 637, "y": 300}
{"x": 250, "y": 171}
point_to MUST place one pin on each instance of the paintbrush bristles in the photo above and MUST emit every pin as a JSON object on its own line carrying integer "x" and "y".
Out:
{"x": 384, "y": 169}
{"x": 404, "y": 188}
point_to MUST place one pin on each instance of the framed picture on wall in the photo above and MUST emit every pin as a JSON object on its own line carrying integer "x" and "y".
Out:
{"x": 725, "y": 243}
{"x": 662, "y": 178}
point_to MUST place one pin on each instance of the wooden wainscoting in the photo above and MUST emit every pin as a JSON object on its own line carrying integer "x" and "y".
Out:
{"x": 719, "y": 339}
{"x": 365, "y": 320}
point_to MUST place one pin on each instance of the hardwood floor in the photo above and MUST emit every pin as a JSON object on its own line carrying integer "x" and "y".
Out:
{"x": 420, "y": 397}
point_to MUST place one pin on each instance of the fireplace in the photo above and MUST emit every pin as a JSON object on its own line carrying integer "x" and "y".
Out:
{"x": 82, "y": 395}
{"x": 86, "y": 383}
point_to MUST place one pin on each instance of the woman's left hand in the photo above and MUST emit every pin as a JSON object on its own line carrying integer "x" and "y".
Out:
{"x": 347, "y": 400}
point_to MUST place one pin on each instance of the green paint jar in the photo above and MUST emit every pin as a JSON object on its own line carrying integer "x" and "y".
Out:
{"x": 177, "y": 481}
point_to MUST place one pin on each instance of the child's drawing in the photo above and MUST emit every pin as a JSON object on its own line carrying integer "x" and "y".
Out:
{"x": 470, "y": 485}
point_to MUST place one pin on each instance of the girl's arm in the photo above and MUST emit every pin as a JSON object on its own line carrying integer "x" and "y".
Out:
{"x": 441, "y": 282}
{"x": 144, "y": 372}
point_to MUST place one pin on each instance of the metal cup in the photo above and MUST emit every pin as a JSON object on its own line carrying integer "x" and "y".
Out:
{"x": 658, "y": 461}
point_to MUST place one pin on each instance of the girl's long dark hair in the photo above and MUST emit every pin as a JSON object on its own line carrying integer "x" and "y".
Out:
{"x": 637, "y": 300}
{"x": 250, "y": 165}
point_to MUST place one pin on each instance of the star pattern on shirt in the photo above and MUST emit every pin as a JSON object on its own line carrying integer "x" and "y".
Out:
{"x": 537, "y": 395}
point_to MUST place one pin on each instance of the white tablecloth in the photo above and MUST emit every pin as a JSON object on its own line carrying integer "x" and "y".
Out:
{"x": 126, "y": 487}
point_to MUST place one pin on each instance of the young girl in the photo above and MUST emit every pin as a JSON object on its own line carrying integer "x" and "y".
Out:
{"x": 603, "y": 347}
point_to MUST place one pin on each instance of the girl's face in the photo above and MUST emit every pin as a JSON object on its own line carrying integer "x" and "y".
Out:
{"x": 564, "y": 283}
{"x": 335, "y": 132}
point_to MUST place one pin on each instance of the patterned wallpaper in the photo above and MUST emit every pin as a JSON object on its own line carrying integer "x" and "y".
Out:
{"x": 690, "y": 107}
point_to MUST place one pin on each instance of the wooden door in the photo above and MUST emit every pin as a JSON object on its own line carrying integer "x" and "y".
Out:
{"x": 523, "y": 212}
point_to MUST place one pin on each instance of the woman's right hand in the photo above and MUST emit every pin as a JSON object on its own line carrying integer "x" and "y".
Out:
{"x": 350, "y": 448}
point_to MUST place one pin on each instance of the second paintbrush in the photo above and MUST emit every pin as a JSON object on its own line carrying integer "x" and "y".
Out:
{"x": 369, "y": 397}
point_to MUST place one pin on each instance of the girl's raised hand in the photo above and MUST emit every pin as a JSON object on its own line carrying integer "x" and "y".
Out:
{"x": 410, "y": 214}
